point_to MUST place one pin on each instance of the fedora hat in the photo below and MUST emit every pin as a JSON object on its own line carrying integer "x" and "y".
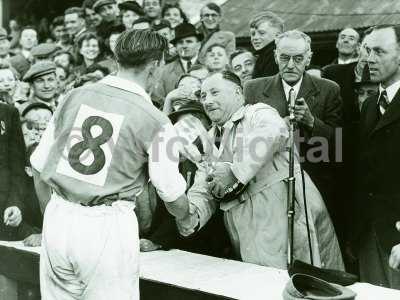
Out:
{"x": 185, "y": 30}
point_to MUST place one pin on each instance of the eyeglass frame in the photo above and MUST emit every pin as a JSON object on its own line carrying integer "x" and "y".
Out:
{"x": 293, "y": 57}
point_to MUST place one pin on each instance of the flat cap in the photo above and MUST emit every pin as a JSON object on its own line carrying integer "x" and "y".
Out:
{"x": 39, "y": 69}
{"x": 44, "y": 50}
{"x": 3, "y": 33}
{"x": 132, "y": 6}
{"x": 99, "y": 3}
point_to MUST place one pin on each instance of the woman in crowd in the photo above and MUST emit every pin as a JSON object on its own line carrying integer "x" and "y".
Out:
{"x": 216, "y": 58}
{"x": 8, "y": 82}
{"x": 90, "y": 51}
{"x": 210, "y": 17}
{"x": 174, "y": 14}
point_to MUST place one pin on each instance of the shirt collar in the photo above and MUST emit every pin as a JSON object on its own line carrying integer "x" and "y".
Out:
{"x": 347, "y": 61}
{"x": 127, "y": 85}
{"x": 391, "y": 90}
{"x": 296, "y": 88}
{"x": 184, "y": 61}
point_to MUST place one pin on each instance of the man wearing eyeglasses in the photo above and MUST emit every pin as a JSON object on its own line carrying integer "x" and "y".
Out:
{"x": 318, "y": 108}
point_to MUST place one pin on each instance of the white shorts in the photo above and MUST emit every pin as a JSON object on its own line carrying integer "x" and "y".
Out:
{"x": 89, "y": 252}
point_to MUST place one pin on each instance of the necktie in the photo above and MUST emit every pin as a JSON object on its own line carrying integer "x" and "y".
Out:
{"x": 188, "y": 66}
{"x": 383, "y": 102}
{"x": 218, "y": 137}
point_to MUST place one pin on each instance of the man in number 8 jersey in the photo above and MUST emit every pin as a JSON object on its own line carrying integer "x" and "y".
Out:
{"x": 97, "y": 153}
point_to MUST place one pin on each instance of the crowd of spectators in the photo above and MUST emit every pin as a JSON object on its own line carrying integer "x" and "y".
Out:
{"x": 35, "y": 75}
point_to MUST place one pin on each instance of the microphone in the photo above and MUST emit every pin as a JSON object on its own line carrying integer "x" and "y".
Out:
{"x": 292, "y": 101}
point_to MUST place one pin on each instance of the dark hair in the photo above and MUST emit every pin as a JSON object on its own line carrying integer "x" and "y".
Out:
{"x": 238, "y": 52}
{"x": 213, "y": 7}
{"x": 96, "y": 67}
{"x": 135, "y": 48}
{"x": 57, "y": 21}
{"x": 142, "y": 20}
{"x": 183, "y": 76}
{"x": 70, "y": 56}
{"x": 230, "y": 76}
{"x": 168, "y": 6}
{"x": 88, "y": 4}
{"x": 75, "y": 10}
{"x": 87, "y": 36}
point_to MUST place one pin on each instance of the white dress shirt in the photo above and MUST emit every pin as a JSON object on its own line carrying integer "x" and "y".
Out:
{"x": 287, "y": 88}
{"x": 185, "y": 63}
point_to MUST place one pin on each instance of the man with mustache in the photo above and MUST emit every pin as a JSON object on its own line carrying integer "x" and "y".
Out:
{"x": 318, "y": 108}
{"x": 249, "y": 154}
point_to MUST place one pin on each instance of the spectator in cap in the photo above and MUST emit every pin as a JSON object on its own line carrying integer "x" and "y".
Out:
{"x": 187, "y": 42}
{"x": 74, "y": 20}
{"x": 242, "y": 64}
{"x": 35, "y": 117}
{"x": 109, "y": 13}
{"x": 44, "y": 52}
{"x": 23, "y": 60}
{"x": 217, "y": 59}
{"x": 152, "y": 8}
{"x": 107, "y": 9}
{"x": 365, "y": 88}
{"x": 264, "y": 27}
{"x": 43, "y": 80}
{"x": 4, "y": 45}
{"x": 142, "y": 23}
{"x": 130, "y": 12}
{"x": 93, "y": 19}
{"x": 210, "y": 17}
{"x": 174, "y": 14}
{"x": 89, "y": 51}
{"x": 8, "y": 82}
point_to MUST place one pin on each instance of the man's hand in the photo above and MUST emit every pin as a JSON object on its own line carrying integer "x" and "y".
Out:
{"x": 394, "y": 259}
{"x": 303, "y": 114}
{"x": 222, "y": 178}
{"x": 12, "y": 216}
{"x": 34, "y": 240}
{"x": 147, "y": 246}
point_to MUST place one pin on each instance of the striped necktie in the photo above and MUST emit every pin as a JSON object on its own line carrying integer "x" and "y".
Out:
{"x": 383, "y": 102}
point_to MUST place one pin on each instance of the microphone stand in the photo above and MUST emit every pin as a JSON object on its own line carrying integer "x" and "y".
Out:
{"x": 291, "y": 179}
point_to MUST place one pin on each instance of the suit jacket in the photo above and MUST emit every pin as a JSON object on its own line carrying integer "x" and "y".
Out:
{"x": 379, "y": 164}
{"x": 12, "y": 160}
{"x": 323, "y": 98}
{"x": 166, "y": 81}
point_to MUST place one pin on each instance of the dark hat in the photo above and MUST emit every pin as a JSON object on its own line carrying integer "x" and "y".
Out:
{"x": 99, "y": 3}
{"x": 39, "y": 69}
{"x": 35, "y": 105}
{"x": 44, "y": 50}
{"x": 189, "y": 107}
{"x": 3, "y": 33}
{"x": 185, "y": 30}
{"x": 133, "y": 6}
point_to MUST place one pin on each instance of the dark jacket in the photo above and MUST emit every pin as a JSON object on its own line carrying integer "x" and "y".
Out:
{"x": 12, "y": 163}
{"x": 323, "y": 98}
{"x": 379, "y": 165}
{"x": 265, "y": 63}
